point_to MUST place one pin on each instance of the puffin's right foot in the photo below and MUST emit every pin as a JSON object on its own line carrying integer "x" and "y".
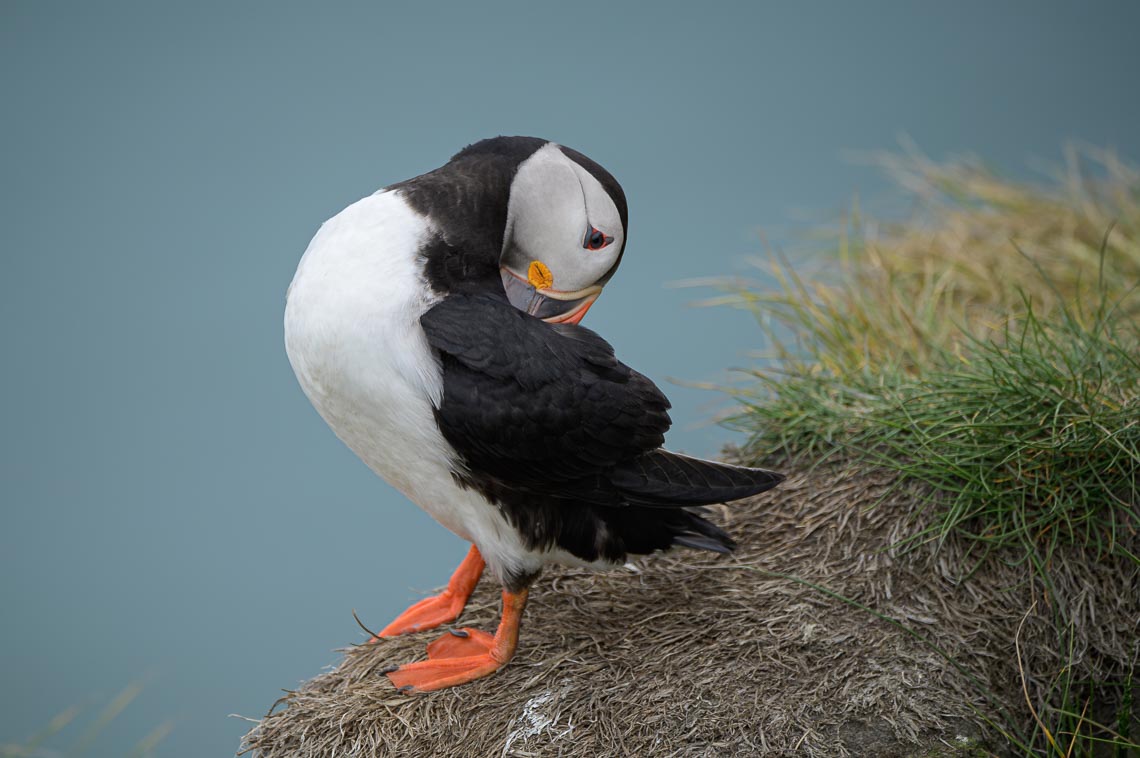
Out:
{"x": 461, "y": 643}
{"x": 444, "y": 607}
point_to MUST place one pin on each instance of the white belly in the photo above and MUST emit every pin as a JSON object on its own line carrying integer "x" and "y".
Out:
{"x": 353, "y": 337}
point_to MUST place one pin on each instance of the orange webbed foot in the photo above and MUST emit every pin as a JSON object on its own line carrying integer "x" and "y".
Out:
{"x": 464, "y": 655}
{"x": 426, "y": 614}
{"x": 444, "y": 607}
{"x": 461, "y": 643}
{"x": 425, "y": 676}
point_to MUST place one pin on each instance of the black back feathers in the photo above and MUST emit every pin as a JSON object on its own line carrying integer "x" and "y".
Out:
{"x": 566, "y": 439}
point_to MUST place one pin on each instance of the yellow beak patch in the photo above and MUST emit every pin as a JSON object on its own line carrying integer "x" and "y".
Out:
{"x": 539, "y": 276}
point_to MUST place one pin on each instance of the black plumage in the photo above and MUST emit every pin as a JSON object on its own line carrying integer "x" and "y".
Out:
{"x": 566, "y": 439}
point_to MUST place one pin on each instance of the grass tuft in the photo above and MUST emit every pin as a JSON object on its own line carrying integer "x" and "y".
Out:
{"x": 988, "y": 349}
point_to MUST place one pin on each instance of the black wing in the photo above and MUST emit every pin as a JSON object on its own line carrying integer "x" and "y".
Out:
{"x": 534, "y": 404}
{"x": 544, "y": 415}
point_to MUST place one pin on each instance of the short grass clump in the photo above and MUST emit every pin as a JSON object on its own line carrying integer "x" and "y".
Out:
{"x": 987, "y": 349}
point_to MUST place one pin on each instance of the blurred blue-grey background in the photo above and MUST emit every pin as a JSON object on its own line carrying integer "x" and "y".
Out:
{"x": 174, "y": 513}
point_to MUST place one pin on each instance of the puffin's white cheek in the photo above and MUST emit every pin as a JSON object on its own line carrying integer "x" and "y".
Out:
{"x": 554, "y": 204}
{"x": 580, "y": 269}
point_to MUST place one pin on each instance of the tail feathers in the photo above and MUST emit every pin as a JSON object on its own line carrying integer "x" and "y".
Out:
{"x": 703, "y": 535}
{"x": 665, "y": 479}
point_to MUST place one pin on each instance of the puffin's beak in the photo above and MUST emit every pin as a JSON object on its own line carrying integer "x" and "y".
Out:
{"x": 550, "y": 305}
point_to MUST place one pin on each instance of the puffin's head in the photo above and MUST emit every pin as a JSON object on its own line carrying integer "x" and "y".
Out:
{"x": 526, "y": 217}
{"x": 564, "y": 236}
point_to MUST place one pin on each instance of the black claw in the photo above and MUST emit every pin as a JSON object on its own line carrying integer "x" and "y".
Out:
{"x": 463, "y": 633}
{"x": 390, "y": 669}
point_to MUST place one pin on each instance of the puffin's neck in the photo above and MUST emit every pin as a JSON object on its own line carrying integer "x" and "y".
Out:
{"x": 465, "y": 267}
{"x": 465, "y": 205}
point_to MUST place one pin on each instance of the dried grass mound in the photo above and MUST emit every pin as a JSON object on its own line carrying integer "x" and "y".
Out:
{"x": 868, "y": 650}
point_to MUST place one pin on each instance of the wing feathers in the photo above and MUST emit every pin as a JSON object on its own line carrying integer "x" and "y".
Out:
{"x": 661, "y": 478}
{"x": 566, "y": 439}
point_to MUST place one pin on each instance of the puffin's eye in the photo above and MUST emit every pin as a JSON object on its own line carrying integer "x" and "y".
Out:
{"x": 595, "y": 240}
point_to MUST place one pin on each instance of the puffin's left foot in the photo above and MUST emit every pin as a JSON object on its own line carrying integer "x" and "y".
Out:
{"x": 464, "y": 657}
{"x": 444, "y": 607}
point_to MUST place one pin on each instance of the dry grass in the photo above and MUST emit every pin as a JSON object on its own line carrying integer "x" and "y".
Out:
{"x": 912, "y": 293}
{"x": 815, "y": 639}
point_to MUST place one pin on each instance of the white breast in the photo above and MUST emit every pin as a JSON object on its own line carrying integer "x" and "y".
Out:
{"x": 353, "y": 336}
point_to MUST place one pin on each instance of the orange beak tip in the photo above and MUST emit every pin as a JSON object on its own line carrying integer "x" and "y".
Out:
{"x": 577, "y": 317}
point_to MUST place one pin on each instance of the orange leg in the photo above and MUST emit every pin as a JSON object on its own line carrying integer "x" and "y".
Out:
{"x": 465, "y": 655}
{"x": 444, "y": 607}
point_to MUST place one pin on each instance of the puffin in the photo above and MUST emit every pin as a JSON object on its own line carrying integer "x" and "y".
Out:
{"x": 434, "y": 325}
